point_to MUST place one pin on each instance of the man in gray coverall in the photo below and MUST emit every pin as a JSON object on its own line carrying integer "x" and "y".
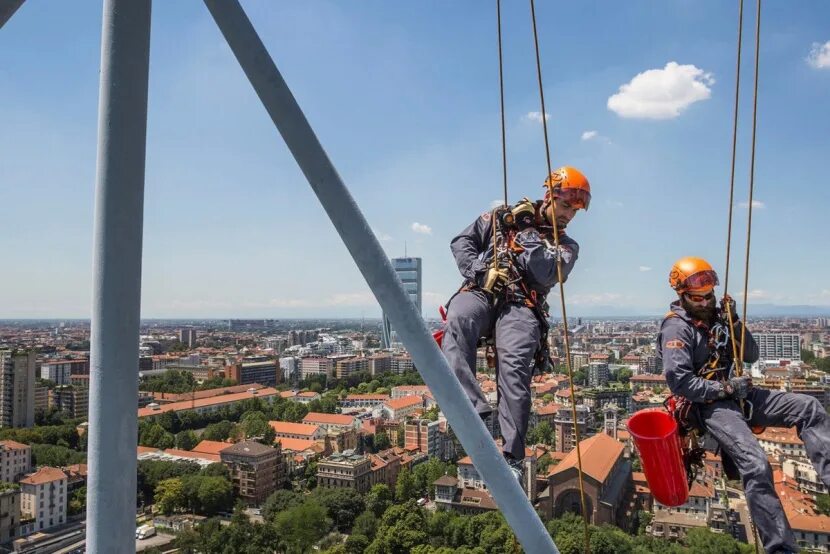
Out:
{"x": 694, "y": 345}
{"x": 503, "y": 297}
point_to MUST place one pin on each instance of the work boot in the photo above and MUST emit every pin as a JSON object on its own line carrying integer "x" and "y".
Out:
{"x": 516, "y": 468}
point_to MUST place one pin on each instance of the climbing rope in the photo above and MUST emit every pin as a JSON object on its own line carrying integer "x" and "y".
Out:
{"x": 739, "y": 357}
{"x": 501, "y": 98}
{"x": 738, "y": 363}
{"x": 585, "y": 516}
{"x": 751, "y": 170}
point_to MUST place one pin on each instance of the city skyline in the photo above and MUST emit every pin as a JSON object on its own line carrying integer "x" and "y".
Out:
{"x": 416, "y": 139}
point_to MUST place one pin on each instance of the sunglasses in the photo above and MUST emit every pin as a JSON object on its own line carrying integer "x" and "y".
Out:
{"x": 699, "y": 297}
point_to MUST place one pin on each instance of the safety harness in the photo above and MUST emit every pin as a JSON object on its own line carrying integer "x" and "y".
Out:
{"x": 718, "y": 367}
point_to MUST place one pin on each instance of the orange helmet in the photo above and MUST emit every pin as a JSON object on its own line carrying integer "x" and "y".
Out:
{"x": 571, "y": 185}
{"x": 692, "y": 274}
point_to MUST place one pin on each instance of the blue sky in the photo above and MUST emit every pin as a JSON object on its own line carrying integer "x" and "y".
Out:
{"x": 404, "y": 97}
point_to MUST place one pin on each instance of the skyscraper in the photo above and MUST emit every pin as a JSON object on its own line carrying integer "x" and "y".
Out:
{"x": 409, "y": 272}
{"x": 17, "y": 388}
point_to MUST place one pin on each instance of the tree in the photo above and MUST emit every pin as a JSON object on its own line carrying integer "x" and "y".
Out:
{"x": 215, "y": 494}
{"x": 405, "y": 488}
{"x": 704, "y": 541}
{"x": 310, "y": 475}
{"x": 342, "y": 506}
{"x": 541, "y": 434}
{"x": 170, "y": 496}
{"x": 823, "y": 504}
{"x": 402, "y": 528}
{"x": 357, "y": 544}
{"x": 280, "y": 501}
{"x": 382, "y": 441}
{"x": 624, "y": 375}
{"x": 366, "y": 524}
{"x": 432, "y": 413}
{"x": 427, "y": 473}
{"x": 157, "y": 437}
{"x": 378, "y": 499}
{"x": 55, "y": 456}
{"x": 186, "y": 440}
{"x": 77, "y": 502}
{"x": 300, "y": 527}
{"x": 217, "y": 469}
{"x": 217, "y": 431}
{"x": 643, "y": 520}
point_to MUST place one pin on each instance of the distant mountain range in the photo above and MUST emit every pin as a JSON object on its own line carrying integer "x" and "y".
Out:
{"x": 754, "y": 310}
{"x": 574, "y": 311}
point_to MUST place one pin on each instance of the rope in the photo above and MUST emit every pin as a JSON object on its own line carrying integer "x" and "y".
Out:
{"x": 739, "y": 359}
{"x": 751, "y": 170}
{"x": 501, "y": 97}
{"x": 738, "y": 362}
{"x": 561, "y": 284}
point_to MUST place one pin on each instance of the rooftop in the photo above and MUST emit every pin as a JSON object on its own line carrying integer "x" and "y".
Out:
{"x": 599, "y": 454}
{"x": 288, "y": 428}
{"x": 328, "y": 419}
{"x": 44, "y": 475}
{"x": 204, "y": 402}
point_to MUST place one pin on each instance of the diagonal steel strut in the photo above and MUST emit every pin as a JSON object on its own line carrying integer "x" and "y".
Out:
{"x": 370, "y": 258}
{"x": 7, "y": 9}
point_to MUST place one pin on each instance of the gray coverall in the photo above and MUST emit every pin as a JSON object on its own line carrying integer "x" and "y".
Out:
{"x": 472, "y": 315}
{"x": 684, "y": 349}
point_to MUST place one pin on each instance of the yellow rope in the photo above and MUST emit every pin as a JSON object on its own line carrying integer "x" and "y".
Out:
{"x": 585, "y": 515}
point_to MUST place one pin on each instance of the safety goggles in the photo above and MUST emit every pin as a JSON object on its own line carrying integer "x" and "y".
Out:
{"x": 699, "y": 298}
{"x": 577, "y": 198}
{"x": 701, "y": 280}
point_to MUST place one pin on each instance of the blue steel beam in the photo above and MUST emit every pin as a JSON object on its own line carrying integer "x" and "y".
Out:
{"x": 377, "y": 270}
{"x": 7, "y": 9}
{"x": 116, "y": 300}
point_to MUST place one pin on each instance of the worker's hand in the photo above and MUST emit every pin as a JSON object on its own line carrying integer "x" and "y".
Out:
{"x": 524, "y": 214}
{"x": 728, "y": 301}
{"x": 739, "y": 387}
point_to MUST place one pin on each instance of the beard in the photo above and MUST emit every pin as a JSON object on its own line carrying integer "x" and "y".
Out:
{"x": 705, "y": 313}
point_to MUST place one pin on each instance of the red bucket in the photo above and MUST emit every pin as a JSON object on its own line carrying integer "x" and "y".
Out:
{"x": 657, "y": 440}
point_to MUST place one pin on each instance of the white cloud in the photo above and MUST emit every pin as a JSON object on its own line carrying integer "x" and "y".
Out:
{"x": 588, "y": 135}
{"x": 819, "y": 55}
{"x": 421, "y": 228}
{"x": 535, "y": 116}
{"x": 496, "y": 204}
{"x": 644, "y": 268}
{"x": 756, "y": 205}
{"x": 662, "y": 93}
{"x": 757, "y": 294}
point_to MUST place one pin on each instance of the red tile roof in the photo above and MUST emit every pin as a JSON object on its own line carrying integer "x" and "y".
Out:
{"x": 210, "y": 447}
{"x": 599, "y": 454}
{"x": 203, "y": 402}
{"x": 328, "y": 419}
{"x": 647, "y": 378}
{"x": 14, "y": 445}
{"x": 296, "y": 445}
{"x": 404, "y": 402}
{"x": 780, "y": 435}
{"x": 549, "y": 409}
{"x": 213, "y": 458}
{"x": 288, "y": 428}
{"x": 44, "y": 475}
